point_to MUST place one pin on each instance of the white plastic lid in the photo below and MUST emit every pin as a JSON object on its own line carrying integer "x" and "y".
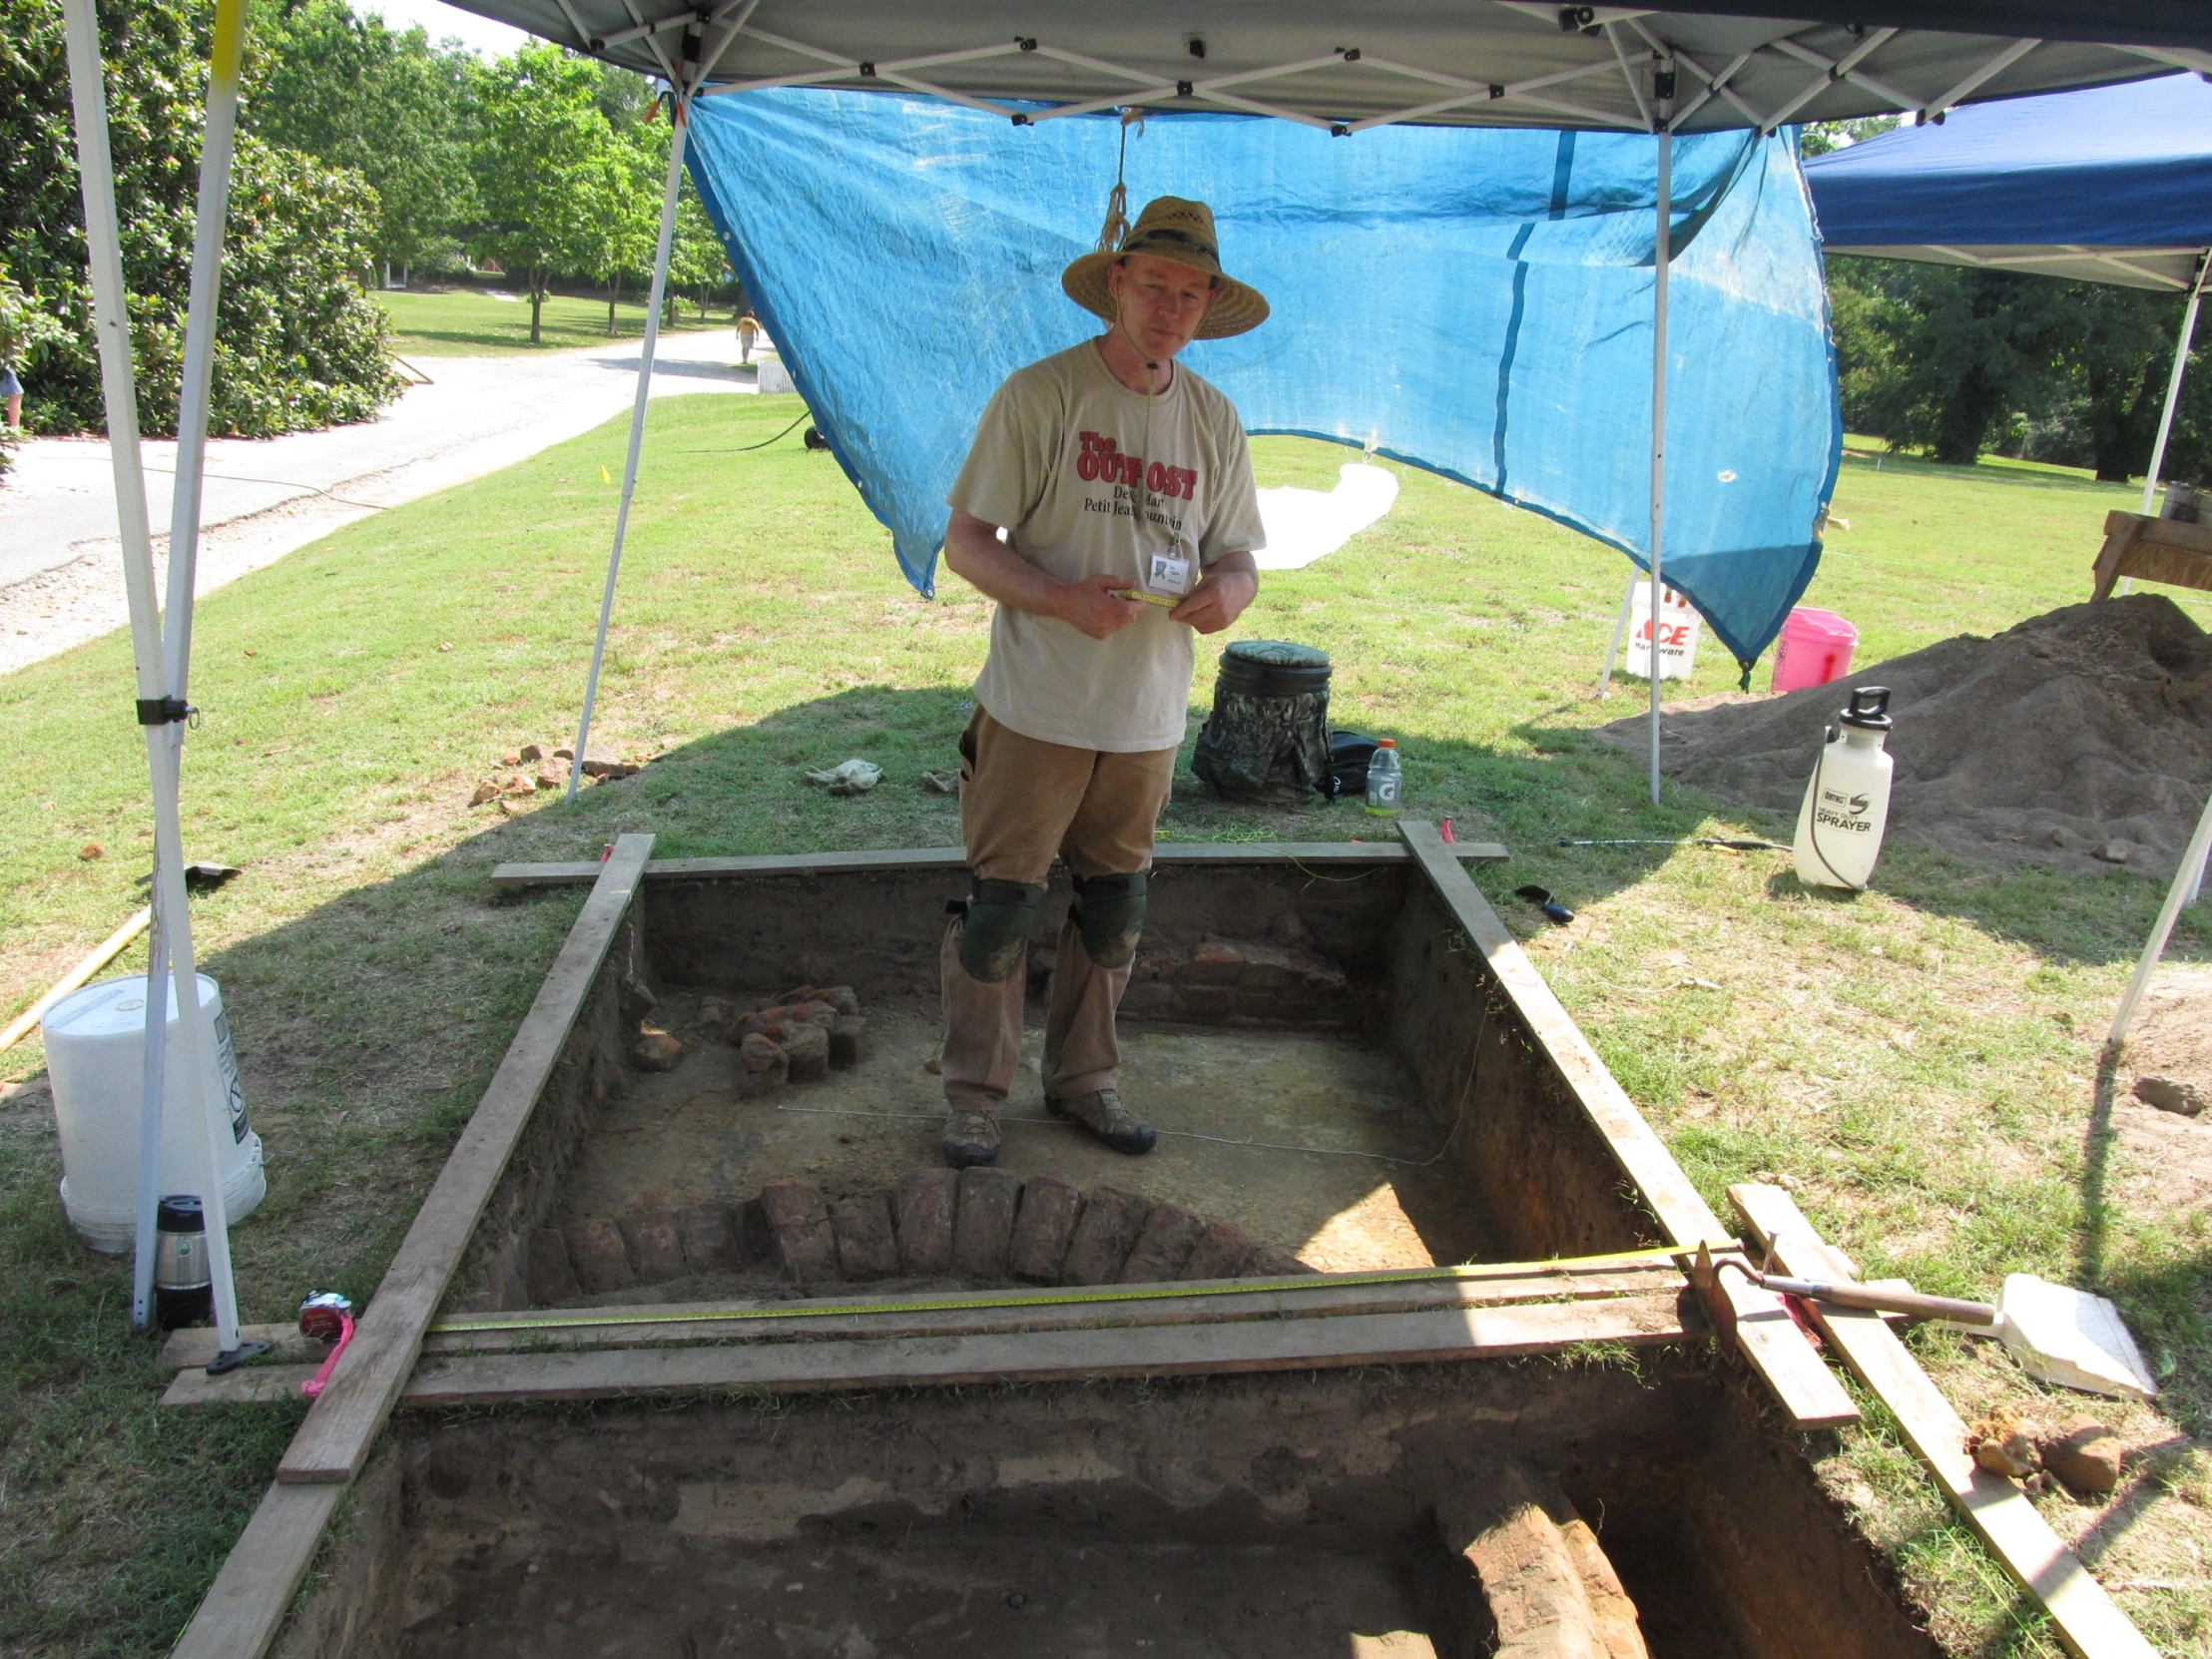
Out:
{"x": 114, "y": 1007}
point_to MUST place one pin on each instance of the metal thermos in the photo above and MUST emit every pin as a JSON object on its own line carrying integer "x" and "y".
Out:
{"x": 183, "y": 1289}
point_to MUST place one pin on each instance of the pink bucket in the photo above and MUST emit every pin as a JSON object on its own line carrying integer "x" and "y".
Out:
{"x": 1815, "y": 647}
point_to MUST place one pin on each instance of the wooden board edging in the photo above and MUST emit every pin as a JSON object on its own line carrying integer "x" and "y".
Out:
{"x": 2084, "y": 1618}
{"x": 334, "y": 1442}
{"x": 241, "y": 1614}
{"x": 1052, "y": 1355}
{"x": 1765, "y": 1333}
{"x": 1172, "y": 854}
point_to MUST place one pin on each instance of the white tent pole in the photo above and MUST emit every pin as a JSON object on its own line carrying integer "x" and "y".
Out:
{"x": 218, "y": 140}
{"x": 2173, "y": 384}
{"x": 682, "y": 108}
{"x": 1620, "y": 631}
{"x": 1659, "y": 422}
{"x": 111, "y": 327}
{"x": 2177, "y": 895}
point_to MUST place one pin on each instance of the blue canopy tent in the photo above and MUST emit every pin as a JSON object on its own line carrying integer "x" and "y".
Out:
{"x": 2108, "y": 184}
{"x": 1471, "y": 301}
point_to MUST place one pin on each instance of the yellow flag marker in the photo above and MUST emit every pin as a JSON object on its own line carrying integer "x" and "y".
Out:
{"x": 603, "y": 478}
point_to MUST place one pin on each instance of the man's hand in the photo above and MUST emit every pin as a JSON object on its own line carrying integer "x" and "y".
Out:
{"x": 1093, "y": 606}
{"x": 1218, "y": 600}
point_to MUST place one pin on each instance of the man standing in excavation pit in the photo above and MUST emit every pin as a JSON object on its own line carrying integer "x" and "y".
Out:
{"x": 1107, "y": 505}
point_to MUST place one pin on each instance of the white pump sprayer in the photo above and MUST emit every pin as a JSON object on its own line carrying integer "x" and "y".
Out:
{"x": 1847, "y": 800}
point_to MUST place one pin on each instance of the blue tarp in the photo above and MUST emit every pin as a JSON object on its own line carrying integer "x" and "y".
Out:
{"x": 2114, "y": 167}
{"x": 1475, "y": 302}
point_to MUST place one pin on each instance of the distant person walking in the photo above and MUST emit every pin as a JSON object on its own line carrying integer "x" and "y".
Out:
{"x": 749, "y": 331}
{"x": 12, "y": 389}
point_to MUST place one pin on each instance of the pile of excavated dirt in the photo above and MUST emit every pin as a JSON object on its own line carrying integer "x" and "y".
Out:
{"x": 2081, "y": 740}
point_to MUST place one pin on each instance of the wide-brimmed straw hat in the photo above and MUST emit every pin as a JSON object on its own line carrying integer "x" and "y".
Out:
{"x": 1171, "y": 228}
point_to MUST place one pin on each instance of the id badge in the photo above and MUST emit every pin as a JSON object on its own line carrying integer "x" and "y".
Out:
{"x": 1167, "y": 576}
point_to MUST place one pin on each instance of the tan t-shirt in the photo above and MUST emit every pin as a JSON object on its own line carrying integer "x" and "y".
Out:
{"x": 1063, "y": 459}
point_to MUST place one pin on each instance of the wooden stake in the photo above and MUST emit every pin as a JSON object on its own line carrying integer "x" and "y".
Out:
{"x": 94, "y": 960}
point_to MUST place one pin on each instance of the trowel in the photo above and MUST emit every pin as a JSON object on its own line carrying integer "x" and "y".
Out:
{"x": 2059, "y": 1335}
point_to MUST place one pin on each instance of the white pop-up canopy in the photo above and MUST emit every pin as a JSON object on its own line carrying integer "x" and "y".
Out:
{"x": 1322, "y": 63}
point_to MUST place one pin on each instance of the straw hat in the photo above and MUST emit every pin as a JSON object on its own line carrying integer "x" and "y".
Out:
{"x": 1171, "y": 228}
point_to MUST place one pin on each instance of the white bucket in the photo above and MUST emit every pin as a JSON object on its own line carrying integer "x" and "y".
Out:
{"x": 1678, "y": 631}
{"x": 96, "y": 1061}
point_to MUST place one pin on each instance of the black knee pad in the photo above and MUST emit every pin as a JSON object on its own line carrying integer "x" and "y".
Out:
{"x": 1109, "y": 915}
{"x": 1001, "y": 915}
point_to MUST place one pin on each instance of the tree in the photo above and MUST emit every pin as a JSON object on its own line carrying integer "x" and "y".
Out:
{"x": 620, "y": 213}
{"x": 540, "y": 141}
{"x": 385, "y": 103}
{"x": 298, "y": 343}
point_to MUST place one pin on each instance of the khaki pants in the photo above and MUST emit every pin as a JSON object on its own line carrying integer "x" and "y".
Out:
{"x": 1021, "y": 802}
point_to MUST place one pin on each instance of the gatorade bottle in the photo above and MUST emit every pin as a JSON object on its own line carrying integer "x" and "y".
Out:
{"x": 1383, "y": 780}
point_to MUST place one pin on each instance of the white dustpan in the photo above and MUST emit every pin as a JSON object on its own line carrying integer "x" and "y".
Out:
{"x": 2071, "y": 1338}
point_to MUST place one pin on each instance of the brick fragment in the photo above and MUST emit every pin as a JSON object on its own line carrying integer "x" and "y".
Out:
{"x": 1270, "y": 1262}
{"x": 925, "y": 1206}
{"x": 2085, "y": 1455}
{"x": 808, "y": 1047}
{"x": 983, "y": 1229}
{"x": 799, "y": 1231}
{"x": 548, "y": 1277}
{"x": 1549, "y": 1587}
{"x": 708, "y": 1235}
{"x": 1219, "y": 1252}
{"x": 763, "y": 1067}
{"x": 1043, "y": 1225}
{"x": 848, "y": 1041}
{"x": 841, "y": 998}
{"x": 655, "y": 1252}
{"x": 601, "y": 1260}
{"x": 656, "y": 1051}
{"x": 866, "y": 1247}
{"x": 1162, "y": 1247}
{"x": 1104, "y": 1235}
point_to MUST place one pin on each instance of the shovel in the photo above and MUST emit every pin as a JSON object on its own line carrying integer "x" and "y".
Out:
{"x": 2059, "y": 1335}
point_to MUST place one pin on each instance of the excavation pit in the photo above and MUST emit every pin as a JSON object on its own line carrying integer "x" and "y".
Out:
{"x": 675, "y": 1361}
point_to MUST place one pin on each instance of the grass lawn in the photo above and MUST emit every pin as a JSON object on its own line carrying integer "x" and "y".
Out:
{"x": 469, "y": 322}
{"x": 1921, "y": 1060}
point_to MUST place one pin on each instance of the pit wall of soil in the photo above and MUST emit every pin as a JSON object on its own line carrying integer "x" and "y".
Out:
{"x": 592, "y": 1067}
{"x": 509, "y": 1534}
{"x": 1535, "y": 1163}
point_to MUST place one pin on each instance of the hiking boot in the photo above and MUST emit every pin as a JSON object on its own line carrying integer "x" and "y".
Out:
{"x": 1103, "y": 1114}
{"x": 970, "y": 1137}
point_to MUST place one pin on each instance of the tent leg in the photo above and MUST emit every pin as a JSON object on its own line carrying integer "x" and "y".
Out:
{"x": 2173, "y": 386}
{"x": 145, "y": 1239}
{"x": 1620, "y": 631}
{"x": 637, "y": 429}
{"x": 1662, "y": 256}
{"x": 2177, "y": 895}
{"x": 163, "y": 734}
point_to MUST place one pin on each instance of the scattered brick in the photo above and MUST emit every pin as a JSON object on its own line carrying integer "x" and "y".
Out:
{"x": 763, "y": 1067}
{"x": 656, "y": 1051}
{"x": 2085, "y": 1456}
{"x": 808, "y": 1051}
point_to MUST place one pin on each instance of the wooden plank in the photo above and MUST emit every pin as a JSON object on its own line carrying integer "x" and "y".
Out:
{"x": 569, "y": 1330}
{"x": 2121, "y": 533}
{"x": 1052, "y": 1355}
{"x": 259, "y": 1384}
{"x": 1171, "y": 854}
{"x": 335, "y": 1439}
{"x": 1765, "y": 1333}
{"x": 2081, "y": 1614}
{"x": 239, "y": 1616}
{"x": 193, "y": 1345}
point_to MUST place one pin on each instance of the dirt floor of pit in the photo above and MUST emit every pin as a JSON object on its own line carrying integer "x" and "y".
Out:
{"x": 682, "y": 1137}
